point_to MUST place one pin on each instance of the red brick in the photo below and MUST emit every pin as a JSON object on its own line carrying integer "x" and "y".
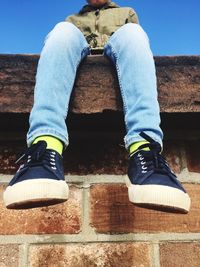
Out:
{"x": 193, "y": 156}
{"x": 9, "y": 255}
{"x": 112, "y": 212}
{"x": 180, "y": 254}
{"x": 60, "y": 218}
{"x": 91, "y": 255}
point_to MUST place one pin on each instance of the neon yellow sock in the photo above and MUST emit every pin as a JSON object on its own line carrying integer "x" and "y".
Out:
{"x": 52, "y": 142}
{"x": 133, "y": 147}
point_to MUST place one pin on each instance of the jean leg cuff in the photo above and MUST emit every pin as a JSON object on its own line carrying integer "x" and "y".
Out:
{"x": 61, "y": 137}
{"x": 128, "y": 141}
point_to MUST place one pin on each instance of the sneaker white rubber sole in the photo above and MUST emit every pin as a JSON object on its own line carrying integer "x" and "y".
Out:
{"x": 158, "y": 197}
{"x": 34, "y": 193}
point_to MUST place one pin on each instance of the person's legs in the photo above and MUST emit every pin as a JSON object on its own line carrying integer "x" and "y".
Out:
{"x": 65, "y": 47}
{"x": 40, "y": 180}
{"x": 129, "y": 50}
{"x": 150, "y": 181}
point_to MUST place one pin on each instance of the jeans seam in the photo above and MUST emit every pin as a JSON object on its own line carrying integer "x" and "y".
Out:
{"x": 72, "y": 82}
{"x": 120, "y": 84}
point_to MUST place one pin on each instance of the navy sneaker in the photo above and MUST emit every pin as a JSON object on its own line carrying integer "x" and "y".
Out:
{"x": 151, "y": 183}
{"x": 39, "y": 181}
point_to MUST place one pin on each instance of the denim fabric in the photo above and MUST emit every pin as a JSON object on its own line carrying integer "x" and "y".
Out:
{"x": 129, "y": 50}
{"x": 64, "y": 48}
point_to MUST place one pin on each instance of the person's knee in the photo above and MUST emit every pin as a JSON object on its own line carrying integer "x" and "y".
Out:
{"x": 66, "y": 32}
{"x": 65, "y": 25}
{"x": 65, "y": 28}
{"x": 132, "y": 32}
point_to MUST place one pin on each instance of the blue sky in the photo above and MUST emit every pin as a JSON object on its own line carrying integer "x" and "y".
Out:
{"x": 172, "y": 25}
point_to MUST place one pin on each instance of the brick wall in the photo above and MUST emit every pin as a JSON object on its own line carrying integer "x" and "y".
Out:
{"x": 98, "y": 226}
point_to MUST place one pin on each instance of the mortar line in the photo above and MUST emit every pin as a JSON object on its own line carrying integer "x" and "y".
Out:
{"x": 23, "y": 254}
{"x": 155, "y": 254}
{"x": 93, "y": 237}
{"x": 185, "y": 176}
{"x": 87, "y": 229}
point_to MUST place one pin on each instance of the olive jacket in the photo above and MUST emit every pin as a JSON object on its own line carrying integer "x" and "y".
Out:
{"x": 98, "y": 24}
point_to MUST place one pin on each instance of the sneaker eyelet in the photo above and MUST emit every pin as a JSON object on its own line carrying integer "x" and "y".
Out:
{"x": 20, "y": 167}
{"x": 143, "y": 162}
{"x": 144, "y": 168}
{"x": 54, "y": 168}
{"x": 144, "y": 171}
{"x": 141, "y": 158}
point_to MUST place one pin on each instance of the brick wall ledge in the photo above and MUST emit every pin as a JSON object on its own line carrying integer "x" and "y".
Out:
{"x": 96, "y": 86}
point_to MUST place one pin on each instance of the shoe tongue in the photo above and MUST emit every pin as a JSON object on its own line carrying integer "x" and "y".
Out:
{"x": 39, "y": 150}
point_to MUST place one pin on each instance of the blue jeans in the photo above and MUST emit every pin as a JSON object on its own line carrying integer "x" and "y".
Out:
{"x": 65, "y": 46}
